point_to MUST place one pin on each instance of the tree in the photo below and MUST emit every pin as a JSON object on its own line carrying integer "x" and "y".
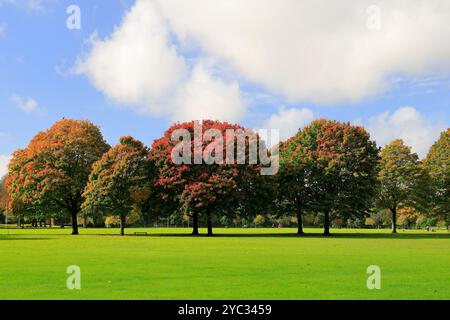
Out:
{"x": 381, "y": 217}
{"x": 407, "y": 216}
{"x": 117, "y": 180}
{"x": 336, "y": 164}
{"x": 49, "y": 175}
{"x": 205, "y": 182}
{"x": 3, "y": 198}
{"x": 295, "y": 192}
{"x": 437, "y": 164}
{"x": 399, "y": 176}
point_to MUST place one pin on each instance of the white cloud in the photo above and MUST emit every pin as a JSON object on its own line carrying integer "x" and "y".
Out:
{"x": 4, "y": 160}
{"x": 27, "y": 105}
{"x": 320, "y": 51}
{"x": 289, "y": 121}
{"x": 205, "y": 97}
{"x": 408, "y": 124}
{"x": 138, "y": 66}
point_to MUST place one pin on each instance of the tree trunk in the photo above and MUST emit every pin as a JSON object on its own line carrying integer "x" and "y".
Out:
{"x": 300, "y": 223}
{"x": 122, "y": 225}
{"x": 85, "y": 222}
{"x": 394, "y": 220}
{"x": 74, "y": 223}
{"x": 195, "y": 224}
{"x": 326, "y": 224}
{"x": 144, "y": 219}
{"x": 208, "y": 218}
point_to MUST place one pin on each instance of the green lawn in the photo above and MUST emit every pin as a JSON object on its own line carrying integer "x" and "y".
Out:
{"x": 236, "y": 264}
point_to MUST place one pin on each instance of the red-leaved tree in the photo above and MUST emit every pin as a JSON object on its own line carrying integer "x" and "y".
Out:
{"x": 210, "y": 178}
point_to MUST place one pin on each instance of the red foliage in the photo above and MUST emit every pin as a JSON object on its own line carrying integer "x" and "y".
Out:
{"x": 201, "y": 186}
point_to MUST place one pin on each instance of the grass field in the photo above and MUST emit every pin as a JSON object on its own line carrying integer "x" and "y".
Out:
{"x": 236, "y": 264}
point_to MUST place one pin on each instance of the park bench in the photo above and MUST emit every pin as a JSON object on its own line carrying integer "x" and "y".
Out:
{"x": 140, "y": 233}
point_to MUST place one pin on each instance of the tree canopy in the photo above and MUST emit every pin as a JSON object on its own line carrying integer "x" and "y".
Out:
{"x": 399, "y": 176}
{"x": 50, "y": 174}
{"x": 332, "y": 167}
{"x": 117, "y": 180}
{"x": 437, "y": 164}
{"x": 213, "y": 183}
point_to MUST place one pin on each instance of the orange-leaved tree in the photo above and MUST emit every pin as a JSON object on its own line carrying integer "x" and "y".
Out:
{"x": 50, "y": 174}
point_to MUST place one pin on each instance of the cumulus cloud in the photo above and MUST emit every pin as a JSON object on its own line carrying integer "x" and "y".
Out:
{"x": 206, "y": 97}
{"x": 408, "y": 124}
{"x": 138, "y": 66}
{"x": 289, "y": 121}
{"x": 319, "y": 51}
{"x": 4, "y": 160}
{"x": 27, "y": 105}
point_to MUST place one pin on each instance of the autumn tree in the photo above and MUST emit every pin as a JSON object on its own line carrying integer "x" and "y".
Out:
{"x": 119, "y": 180}
{"x": 336, "y": 164}
{"x": 399, "y": 177}
{"x": 208, "y": 179}
{"x": 437, "y": 164}
{"x": 407, "y": 216}
{"x": 50, "y": 174}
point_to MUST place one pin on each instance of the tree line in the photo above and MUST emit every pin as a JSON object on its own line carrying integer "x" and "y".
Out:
{"x": 330, "y": 171}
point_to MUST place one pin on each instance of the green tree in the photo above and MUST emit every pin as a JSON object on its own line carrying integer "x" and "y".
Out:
{"x": 399, "y": 177}
{"x": 437, "y": 164}
{"x": 49, "y": 176}
{"x": 117, "y": 180}
{"x": 295, "y": 192}
{"x": 3, "y": 199}
{"x": 338, "y": 169}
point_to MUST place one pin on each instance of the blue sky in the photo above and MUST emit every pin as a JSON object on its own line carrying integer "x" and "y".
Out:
{"x": 48, "y": 72}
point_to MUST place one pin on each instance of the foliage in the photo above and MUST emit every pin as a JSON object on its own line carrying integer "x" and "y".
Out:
{"x": 49, "y": 176}
{"x": 3, "y": 199}
{"x": 437, "y": 164}
{"x": 329, "y": 167}
{"x": 117, "y": 180}
{"x": 202, "y": 188}
{"x": 399, "y": 177}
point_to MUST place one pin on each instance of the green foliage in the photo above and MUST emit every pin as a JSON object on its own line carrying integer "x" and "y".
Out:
{"x": 400, "y": 176}
{"x": 437, "y": 164}
{"x": 117, "y": 180}
{"x": 329, "y": 167}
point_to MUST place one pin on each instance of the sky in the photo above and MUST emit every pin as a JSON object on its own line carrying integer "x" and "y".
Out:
{"x": 136, "y": 67}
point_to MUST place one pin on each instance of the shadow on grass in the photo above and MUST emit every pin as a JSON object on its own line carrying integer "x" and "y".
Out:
{"x": 341, "y": 235}
{"x": 406, "y": 236}
{"x": 21, "y": 238}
